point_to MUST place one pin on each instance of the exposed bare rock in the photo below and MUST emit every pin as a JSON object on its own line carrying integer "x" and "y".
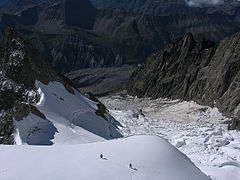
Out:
{"x": 190, "y": 70}
{"x": 101, "y": 81}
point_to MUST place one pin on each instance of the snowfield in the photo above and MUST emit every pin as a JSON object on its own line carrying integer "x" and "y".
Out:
{"x": 163, "y": 139}
{"x": 197, "y": 131}
{"x": 152, "y": 158}
{"x": 70, "y": 119}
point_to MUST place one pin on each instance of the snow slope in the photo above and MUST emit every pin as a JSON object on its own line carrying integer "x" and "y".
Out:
{"x": 70, "y": 119}
{"x": 197, "y": 131}
{"x": 152, "y": 158}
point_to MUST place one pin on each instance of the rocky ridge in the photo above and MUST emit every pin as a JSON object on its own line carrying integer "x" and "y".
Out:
{"x": 193, "y": 70}
{"x": 21, "y": 66}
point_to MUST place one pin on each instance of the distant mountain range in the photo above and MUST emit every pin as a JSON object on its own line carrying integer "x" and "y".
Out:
{"x": 72, "y": 34}
{"x": 15, "y": 6}
{"x": 164, "y": 7}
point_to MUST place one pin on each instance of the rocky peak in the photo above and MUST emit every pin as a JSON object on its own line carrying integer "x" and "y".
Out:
{"x": 22, "y": 63}
{"x": 187, "y": 40}
{"x": 190, "y": 70}
{"x": 20, "y": 66}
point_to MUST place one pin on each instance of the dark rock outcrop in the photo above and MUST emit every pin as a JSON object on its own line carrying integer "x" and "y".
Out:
{"x": 200, "y": 71}
{"x": 22, "y": 63}
{"x": 20, "y": 66}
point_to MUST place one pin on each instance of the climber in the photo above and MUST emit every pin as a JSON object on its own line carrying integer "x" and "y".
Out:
{"x": 130, "y": 165}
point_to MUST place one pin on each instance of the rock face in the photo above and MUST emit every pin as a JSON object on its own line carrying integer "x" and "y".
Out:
{"x": 190, "y": 70}
{"x": 23, "y": 73}
{"x": 70, "y": 51}
{"x": 101, "y": 81}
{"x": 139, "y": 35}
{"x": 21, "y": 66}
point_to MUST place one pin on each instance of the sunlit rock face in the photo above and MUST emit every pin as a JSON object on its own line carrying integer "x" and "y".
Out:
{"x": 191, "y": 70}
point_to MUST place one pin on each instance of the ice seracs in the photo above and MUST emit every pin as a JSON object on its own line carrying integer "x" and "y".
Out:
{"x": 197, "y": 131}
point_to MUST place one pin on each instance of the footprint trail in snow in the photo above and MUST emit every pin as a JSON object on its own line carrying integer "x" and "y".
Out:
{"x": 198, "y": 131}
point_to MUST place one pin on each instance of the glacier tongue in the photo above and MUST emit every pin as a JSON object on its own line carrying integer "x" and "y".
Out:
{"x": 197, "y": 131}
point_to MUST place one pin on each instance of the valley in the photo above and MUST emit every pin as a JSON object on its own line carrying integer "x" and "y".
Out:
{"x": 198, "y": 131}
{"x": 118, "y": 90}
{"x": 101, "y": 81}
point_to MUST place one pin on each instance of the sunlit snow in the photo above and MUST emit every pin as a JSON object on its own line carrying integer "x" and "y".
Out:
{"x": 79, "y": 136}
{"x": 152, "y": 158}
{"x": 197, "y": 131}
{"x": 70, "y": 119}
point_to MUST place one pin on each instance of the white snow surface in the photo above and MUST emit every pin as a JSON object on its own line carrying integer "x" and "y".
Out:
{"x": 79, "y": 137}
{"x": 197, "y": 131}
{"x": 152, "y": 158}
{"x": 70, "y": 119}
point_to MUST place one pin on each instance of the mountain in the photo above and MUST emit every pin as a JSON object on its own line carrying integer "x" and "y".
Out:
{"x": 40, "y": 106}
{"x": 11, "y": 6}
{"x": 112, "y": 37}
{"x": 140, "y": 35}
{"x": 101, "y": 81}
{"x": 56, "y": 14}
{"x": 193, "y": 70}
{"x": 144, "y": 6}
{"x": 165, "y": 7}
{"x": 60, "y": 31}
{"x": 53, "y": 15}
{"x": 15, "y": 6}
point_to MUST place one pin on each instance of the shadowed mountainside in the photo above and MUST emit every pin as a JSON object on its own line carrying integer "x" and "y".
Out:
{"x": 72, "y": 34}
{"x": 193, "y": 70}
